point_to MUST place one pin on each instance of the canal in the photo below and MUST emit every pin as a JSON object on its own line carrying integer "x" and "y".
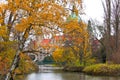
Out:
{"x": 52, "y": 74}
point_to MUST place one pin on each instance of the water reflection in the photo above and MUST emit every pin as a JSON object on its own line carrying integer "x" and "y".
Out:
{"x": 44, "y": 76}
{"x": 66, "y": 76}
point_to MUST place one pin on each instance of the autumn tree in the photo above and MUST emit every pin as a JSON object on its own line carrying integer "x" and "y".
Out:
{"x": 76, "y": 49}
{"x": 19, "y": 18}
{"x": 9, "y": 18}
{"x": 76, "y": 42}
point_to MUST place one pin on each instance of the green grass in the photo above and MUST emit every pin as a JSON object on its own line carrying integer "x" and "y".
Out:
{"x": 103, "y": 69}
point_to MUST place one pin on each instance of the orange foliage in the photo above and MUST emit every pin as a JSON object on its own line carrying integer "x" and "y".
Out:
{"x": 26, "y": 15}
{"x": 58, "y": 55}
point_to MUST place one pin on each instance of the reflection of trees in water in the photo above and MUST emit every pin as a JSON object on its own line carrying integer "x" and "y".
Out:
{"x": 58, "y": 75}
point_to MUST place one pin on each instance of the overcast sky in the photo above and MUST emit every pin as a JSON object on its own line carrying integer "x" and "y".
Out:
{"x": 93, "y": 9}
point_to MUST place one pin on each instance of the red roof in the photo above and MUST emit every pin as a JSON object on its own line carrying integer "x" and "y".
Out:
{"x": 58, "y": 38}
{"x": 45, "y": 42}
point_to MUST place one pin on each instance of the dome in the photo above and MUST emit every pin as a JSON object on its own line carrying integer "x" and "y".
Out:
{"x": 73, "y": 16}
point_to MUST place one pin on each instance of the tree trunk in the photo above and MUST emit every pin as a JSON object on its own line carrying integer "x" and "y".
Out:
{"x": 9, "y": 75}
{"x": 116, "y": 15}
{"x": 107, "y": 10}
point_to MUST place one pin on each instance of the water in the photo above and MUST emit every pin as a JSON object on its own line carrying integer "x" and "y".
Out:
{"x": 66, "y": 76}
{"x": 52, "y": 74}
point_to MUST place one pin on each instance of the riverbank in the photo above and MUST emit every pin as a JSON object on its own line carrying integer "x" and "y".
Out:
{"x": 97, "y": 69}
{"x": 28, "y": 70}
{"x": 75, "y": 73}
{"x": 74, "y": 69}
{"x": 103, "y": 69}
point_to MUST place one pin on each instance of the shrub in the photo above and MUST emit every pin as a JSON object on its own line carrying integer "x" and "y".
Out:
{"x": 103, "y": 69}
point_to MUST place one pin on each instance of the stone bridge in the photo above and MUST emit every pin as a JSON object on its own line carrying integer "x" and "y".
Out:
{"x": 39, "y": 56}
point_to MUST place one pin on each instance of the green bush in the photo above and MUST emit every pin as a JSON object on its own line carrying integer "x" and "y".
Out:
{"x": 103, "y": 69}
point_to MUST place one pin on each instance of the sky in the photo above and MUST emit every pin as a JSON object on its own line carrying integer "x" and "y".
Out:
{"x": 93, "y": 9}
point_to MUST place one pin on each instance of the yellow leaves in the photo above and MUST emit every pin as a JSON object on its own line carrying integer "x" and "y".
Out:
{"x": 37, "y": 29}
{"x": 25, "y": 65}
{"x": 3, "y": 32}
{"x": 80, "y": 37}
{"x": 47, "y": 16}
{"x": 51, "y": 12}
{"x": 17, "y": 2}
{"x": 30, "y": 19}
{"x": 46, "y": 4}
{"x": 20, "y": 27}
{"x": 1, "y": 20}
{"x": 77, "y": 31}
{"x": 7, "y": 53}
{"x": 3, "y": 7}
{"x": 50, "y": 16}
{"x": 79, "y": 40}
{"x": 13, "y": 5}
{"x": 74, "y": 27}
{"x": 64, "y": 55}
{"x": 24, "y": 57}
{"x": 26, "y": 35}
{"x": 79, "y": 1}
{"x": 72, "y": 24}
{"x": 18, "y": 71}
{"x": 82, "y": 24}
{"x": 57, "y": 54}
{"x": 75, "y": 10}
{"x": 38, "y": 5}
{"x": 25, "y": 23}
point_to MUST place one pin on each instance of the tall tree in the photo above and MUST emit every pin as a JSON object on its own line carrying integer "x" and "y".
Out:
{"x": 19, "y": 17}
{"x": 111, "y": 19}
{"x": 107, "y": 17}
{"x": 116, "y": 21}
